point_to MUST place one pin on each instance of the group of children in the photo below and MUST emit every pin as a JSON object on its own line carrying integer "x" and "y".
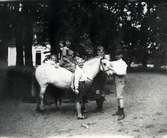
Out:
{"x": 75, "y": 63}
{"x": 70, "y": 61}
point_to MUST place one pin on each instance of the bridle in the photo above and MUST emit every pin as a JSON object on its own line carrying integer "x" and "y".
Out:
{"x": 103, "y": 69}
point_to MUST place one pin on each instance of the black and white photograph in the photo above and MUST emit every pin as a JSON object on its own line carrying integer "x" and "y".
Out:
{"x": 83, "y": 68}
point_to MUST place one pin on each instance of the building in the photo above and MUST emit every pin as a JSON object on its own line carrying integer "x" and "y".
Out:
{"x": 39, "y": 53}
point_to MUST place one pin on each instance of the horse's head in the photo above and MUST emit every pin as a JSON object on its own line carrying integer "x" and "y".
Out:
{"x": 94, "y": 65}
{"x": 106, "y": 67}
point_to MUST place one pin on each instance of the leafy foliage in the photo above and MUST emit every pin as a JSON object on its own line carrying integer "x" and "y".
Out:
{"x": 137, "y": 27}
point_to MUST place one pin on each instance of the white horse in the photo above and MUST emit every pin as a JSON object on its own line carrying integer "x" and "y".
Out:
{"x": 62, "y": 78}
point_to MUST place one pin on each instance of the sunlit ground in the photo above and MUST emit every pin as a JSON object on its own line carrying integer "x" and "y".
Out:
{"x": 145, "y": 108}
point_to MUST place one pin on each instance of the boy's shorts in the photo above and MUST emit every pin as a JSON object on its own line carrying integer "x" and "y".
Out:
{"x": 82, "y": 92}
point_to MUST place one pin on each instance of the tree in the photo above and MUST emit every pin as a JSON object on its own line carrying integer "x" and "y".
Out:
{"x": 24, "y": 34}
{"x": 55, "y": 19}
{"x": 24, "y": 38}
{"x": 112, "y": 24}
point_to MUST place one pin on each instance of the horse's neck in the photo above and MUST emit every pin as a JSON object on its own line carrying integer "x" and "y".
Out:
{"x": 92, "y": 68}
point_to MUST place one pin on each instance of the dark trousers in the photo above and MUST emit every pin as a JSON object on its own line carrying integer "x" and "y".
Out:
{"x": 81, "y": 97}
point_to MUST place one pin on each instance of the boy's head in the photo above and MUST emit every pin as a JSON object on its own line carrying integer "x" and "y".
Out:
{"x": 81, "y": 65}
{"x": 61, "y": 44}
{"x": 53, "y": 57}
{"x": 80, "y": 62}
{"x": 118, "y": 54}
{"x": 67, "y": 43}
{"x": 100, "y": 51}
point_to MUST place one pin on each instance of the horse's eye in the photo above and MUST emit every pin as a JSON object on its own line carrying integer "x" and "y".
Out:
{"x": 104, "y": 64}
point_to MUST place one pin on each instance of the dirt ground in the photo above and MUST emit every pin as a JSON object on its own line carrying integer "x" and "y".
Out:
{"x": 145, "y": 108}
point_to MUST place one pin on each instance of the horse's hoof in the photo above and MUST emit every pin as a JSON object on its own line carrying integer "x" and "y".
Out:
{"x": 53, "y": 109}
{"x": 58, "y": 108}
{"x": 116, "y": 113}
{"x": 84, "y": 111}
{"x": 121, "y": 117}
{"x": 99, "y": 110}
{"x": 81, "y": 117}
{"x": 40, "y": 110}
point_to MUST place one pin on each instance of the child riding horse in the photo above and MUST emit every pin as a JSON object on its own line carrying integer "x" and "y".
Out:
{"x": 62, "y": 78}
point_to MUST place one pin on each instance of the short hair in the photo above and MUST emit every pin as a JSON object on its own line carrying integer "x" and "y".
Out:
{"x": 101, "y": 48}
{"x": 118, "y": 52}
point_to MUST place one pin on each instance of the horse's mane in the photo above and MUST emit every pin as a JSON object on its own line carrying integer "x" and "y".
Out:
{"x": 91, "y": 60}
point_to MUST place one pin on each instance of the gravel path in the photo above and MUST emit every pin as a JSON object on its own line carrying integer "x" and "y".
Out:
{"x": 146, "y": 116}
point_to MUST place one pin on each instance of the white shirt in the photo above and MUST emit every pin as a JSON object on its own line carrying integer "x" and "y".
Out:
{"x": 119, "y": 67}
{"x": 79, "y": 76}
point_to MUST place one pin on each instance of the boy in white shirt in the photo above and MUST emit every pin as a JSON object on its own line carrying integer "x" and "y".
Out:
{"x": 79, "y": 74}
{"x": 119, "y": 68}
{"x": 79, "y": 86}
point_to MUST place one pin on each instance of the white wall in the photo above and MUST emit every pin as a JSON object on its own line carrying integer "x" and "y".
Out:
{"x": 12, "y": 54}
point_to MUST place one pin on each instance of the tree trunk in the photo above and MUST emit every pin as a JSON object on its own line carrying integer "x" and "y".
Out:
{"x": 28, "y": 41}
{"x": 55, "y": 23}
{"x": 24, "y": 37}
{"x": 19, "y": 43}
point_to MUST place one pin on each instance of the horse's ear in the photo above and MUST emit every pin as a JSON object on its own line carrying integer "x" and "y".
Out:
{"x": 101, "y": 67}
{"x": 101, "y": 59}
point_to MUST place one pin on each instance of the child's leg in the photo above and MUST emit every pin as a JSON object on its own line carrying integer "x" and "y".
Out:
{"x": 120, "y": 91}
{"x": 119, "y": 83}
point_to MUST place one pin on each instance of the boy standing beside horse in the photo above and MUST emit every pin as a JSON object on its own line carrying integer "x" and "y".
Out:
{"x": 119, "y": 68}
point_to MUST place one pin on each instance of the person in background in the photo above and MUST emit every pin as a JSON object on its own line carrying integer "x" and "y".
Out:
{"x": 64, "y": 48}
{"x": 100, "y": 51}
{"x": 68, "y": 61}
{"x": 119, "y": 68}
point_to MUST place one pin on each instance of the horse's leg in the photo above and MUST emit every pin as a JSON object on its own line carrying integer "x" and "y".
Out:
{"x": 60, "y": 102}
{"x": 78, "y": 108}
{"x": 83, "y": 107}
{"x": 99, "y": 101}
{"x": 40, "y": 104}
{"x": 56, "y": 102}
